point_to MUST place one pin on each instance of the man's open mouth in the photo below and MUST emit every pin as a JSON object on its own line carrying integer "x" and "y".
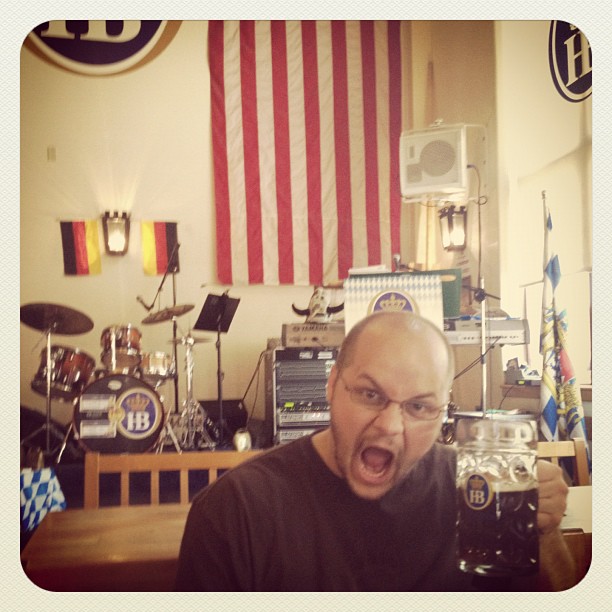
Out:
{"x": 375, "y": 463}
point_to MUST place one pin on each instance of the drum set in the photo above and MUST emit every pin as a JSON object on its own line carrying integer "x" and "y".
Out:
{"x": 117, "y": 408}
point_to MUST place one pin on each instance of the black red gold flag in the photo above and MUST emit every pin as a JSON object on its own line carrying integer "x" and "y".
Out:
{"x": 81, "y": 247}
{"x": 159, "y": 239}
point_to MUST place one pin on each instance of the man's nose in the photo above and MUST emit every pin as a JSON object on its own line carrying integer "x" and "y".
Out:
{"x": 390, "y": 419}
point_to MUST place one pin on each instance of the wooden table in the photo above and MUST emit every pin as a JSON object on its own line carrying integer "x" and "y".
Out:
{"x": 132, "y": 548}
{"x": 136, "y": 548}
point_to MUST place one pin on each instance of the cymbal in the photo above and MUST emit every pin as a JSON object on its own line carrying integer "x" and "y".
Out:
{"x": 55, "y": 318}
{"x": 189, "y": 340}
{"x": 167, "y": 314}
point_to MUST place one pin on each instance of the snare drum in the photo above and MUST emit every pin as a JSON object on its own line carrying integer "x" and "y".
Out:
{"x": 127, "y": 346}
{"x": 118, "y": 414}
{"x": 156, "y": 366}
{"x": 70, "y": 372}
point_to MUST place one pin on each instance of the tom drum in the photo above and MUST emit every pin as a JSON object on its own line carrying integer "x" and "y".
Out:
{"x": 127, "y": 346}
{"x": 156, "y": 367}
{"x": 70, "y": 372}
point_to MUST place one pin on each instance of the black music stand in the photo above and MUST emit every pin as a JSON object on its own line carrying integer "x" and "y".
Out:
{"x": 217, "y": 314}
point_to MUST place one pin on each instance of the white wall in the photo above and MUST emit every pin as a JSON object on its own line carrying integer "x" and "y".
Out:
{"x": 496, "y": 74}
{"x": 138, "y": 142}
{"x": 454, "y": 80}
{"x": 545, "y": 144}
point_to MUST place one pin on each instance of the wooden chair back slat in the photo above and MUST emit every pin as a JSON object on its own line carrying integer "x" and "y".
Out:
{"x": 126, "y": 464}
{"x": 576, "y": 449}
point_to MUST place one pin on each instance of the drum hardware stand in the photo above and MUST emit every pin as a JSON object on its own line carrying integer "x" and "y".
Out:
{"x": 217, "y": 314}
{"x": 193, "y": 413}
{"x": 113, "y": 349}
{"x": 48, "y": 318}
{"x": 47, "y": 427}
{"x": 64, "y": 443}
{"x": 168, "y": 432}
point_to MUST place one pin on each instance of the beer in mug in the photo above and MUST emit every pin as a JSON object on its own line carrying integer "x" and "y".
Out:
{"x": 497, "y": 495}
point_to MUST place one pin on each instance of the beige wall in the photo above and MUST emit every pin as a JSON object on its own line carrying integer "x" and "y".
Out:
{"x": 545, "y": 144}
{"x": 140, "y": 142}
{"x": 454, "y": 75}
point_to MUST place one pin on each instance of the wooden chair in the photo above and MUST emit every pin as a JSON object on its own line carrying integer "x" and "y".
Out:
{"x": 126, "y": 464}
{"x": 568, "y": 448}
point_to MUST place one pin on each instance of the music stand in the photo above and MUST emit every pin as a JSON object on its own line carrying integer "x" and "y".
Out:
{"x": 217, "y": 315}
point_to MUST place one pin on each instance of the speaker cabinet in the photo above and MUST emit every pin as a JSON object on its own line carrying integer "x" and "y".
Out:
{"x": 435, "y": 161}
{"x": 234, "y": 413}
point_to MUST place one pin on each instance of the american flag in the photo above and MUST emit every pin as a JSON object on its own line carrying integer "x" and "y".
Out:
{"x": 562, "y": 416}
{"x": 306, "y": 122}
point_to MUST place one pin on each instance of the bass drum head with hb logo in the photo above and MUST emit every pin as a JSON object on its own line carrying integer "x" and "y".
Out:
{"x": 118, "y": 414}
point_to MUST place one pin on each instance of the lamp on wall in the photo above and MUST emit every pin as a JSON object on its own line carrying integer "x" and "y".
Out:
{"x": 116, "y": 228}
{"x": 453, "y": 223}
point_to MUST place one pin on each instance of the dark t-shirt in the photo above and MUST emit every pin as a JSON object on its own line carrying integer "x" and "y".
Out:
{"x": 284, "y": 522}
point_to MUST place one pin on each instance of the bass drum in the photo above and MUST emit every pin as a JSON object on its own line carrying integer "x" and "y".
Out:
{"x": 118, "y": 414}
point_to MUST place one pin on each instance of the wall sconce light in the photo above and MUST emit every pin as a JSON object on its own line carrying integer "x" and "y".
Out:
{"x": 116, "y": 232}
{"x": 453, "y": 223}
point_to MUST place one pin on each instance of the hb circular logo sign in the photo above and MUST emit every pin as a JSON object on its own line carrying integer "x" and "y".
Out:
{"x": 139, "y": 414}
{"x": 100, "y": 48}
{"x": 570, "y": 59}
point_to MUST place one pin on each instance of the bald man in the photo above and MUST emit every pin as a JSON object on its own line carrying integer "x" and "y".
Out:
{"x": 367, "y": 504}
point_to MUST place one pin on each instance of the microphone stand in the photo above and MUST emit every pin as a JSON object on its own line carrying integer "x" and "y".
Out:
{"x": 174, "y": 344}
{"x": 480, "y": 295}
{"x": 221, "y": 313}
{"x": 171, "y": 264}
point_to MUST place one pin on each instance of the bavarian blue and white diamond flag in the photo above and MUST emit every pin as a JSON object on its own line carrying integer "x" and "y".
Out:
{"x": 562, "y": 416}
{"x": 40, "y": 493}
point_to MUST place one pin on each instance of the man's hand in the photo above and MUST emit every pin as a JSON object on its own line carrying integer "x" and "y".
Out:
{"x": 552, "y": 499}
{"x": 557, "y": 566}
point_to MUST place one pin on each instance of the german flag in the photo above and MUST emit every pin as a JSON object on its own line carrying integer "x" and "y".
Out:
{"x": 158, "y": 241}
{"x": 81, "y": 247}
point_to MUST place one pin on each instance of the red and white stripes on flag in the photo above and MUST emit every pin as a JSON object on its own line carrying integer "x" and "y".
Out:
{"x": 306, "y": 121}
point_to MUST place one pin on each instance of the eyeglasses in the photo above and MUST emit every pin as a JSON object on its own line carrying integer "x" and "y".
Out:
{"x": 375, "y": 400}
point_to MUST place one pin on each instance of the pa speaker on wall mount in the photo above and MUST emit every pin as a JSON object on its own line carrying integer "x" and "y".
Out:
{"x": 435, "y": 161}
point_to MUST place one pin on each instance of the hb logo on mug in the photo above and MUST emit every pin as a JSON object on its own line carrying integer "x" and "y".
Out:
{"x": 477, "y": 492}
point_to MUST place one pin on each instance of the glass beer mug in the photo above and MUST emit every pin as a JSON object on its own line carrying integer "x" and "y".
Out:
{"x": 497, "y": 495}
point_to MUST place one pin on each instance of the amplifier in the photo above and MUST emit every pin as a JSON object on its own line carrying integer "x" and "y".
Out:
{"x": 312, "y": 334}
{"x": 289, "y": 435}
{"x": 286, "y": 416}
{"x": 500, "y": 331}
{"x": 298, "y": 390}
{"x": 235, "y": 415}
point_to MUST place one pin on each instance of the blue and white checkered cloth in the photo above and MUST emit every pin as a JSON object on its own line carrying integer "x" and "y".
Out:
{"x": 40, "y": 493}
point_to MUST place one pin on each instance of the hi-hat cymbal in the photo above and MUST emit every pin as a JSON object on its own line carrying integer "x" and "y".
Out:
{"x": 189, "y": 340}
{"x": 167, "y": 314}
{"x": 55, "y": 318}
